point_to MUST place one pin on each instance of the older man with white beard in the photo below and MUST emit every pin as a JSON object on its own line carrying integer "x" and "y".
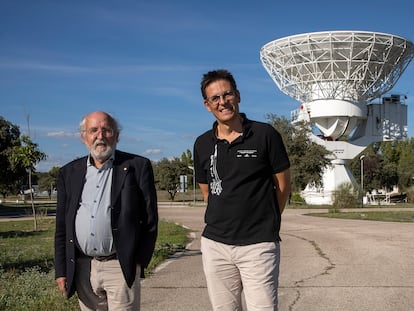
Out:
{"x": 106, "y": 220}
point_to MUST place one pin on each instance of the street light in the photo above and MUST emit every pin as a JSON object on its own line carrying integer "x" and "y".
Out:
{"x": 194, "y": 185}
{"x": 361, "y": 158}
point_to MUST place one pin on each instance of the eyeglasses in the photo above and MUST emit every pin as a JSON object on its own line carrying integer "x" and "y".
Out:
{"x": 93, "y": 131}
{"x": 215, "y": 99}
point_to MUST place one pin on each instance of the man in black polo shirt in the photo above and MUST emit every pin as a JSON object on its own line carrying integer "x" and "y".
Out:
{"x": 243, "y": 171}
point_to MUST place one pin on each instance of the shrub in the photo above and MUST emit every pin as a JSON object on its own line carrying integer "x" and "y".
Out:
{"x": 410, "y": 195}
{"x": 296, "y": 198}
{"x": 345, "y": 197}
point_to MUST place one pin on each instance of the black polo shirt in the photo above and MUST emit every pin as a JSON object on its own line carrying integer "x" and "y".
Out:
{"x": 242, "y": 207}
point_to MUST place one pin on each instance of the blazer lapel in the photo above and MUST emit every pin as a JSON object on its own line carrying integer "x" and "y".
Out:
{"x": 77, "y": 180}
{"x": 79, "y": 172}
{"x": 120, "y": 170}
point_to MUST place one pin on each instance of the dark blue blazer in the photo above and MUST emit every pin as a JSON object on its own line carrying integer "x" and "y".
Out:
{"x": 134, "y": 215}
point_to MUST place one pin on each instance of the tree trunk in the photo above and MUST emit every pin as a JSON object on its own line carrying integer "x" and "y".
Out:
{"x": 31, "y": 200}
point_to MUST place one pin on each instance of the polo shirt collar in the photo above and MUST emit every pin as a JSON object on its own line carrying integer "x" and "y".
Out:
{"x": 246, "y": 125}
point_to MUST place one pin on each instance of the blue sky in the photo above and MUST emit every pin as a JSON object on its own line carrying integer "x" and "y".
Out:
{"x": 142, "y": 61}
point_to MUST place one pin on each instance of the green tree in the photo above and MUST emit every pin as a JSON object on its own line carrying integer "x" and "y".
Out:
{"x": 372, "y": 171}
{"x": 388, "y": 174}
{"x": 27, "y": 155}
{"x": 167, "y": 175}
{"x": 406, "y": 164}
{"x": 47, "y": 181}
{"x": 10, "y": 177}
{"x": 386, "y": 164}
{"x": 187, "y": 159}
{"x": 308, "y": 159}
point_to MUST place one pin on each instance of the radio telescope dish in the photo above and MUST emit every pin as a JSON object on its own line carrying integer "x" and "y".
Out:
{"x": 350, "y": 65}
{"x": 334, "y": 75}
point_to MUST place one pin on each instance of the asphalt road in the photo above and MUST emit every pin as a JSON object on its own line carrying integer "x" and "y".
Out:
{"x": 326, "y": 264}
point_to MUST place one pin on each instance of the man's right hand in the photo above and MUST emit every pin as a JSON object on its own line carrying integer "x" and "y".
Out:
{"x": 61, "y": 283}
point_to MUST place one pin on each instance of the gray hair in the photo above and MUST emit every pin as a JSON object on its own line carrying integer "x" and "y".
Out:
{"x": 116, "y": 126}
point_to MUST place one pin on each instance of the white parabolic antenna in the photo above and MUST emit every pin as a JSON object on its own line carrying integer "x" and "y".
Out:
{"x": 335, "y": 75}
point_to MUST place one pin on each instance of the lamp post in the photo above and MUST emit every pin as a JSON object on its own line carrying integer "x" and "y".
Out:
{"x": 361, "y": 158}
{"x": 194, "y": 185}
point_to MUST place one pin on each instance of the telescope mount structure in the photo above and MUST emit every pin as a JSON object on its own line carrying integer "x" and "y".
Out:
{"x": 336, "y": 75}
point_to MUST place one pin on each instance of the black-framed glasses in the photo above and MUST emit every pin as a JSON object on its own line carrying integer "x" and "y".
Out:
{"x": 215, "y": 99}
{"x": 93, "y": 131}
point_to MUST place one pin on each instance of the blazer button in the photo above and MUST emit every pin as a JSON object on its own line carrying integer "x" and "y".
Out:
{"x": 71, "y": 260}
{"x": 70, "y": 241}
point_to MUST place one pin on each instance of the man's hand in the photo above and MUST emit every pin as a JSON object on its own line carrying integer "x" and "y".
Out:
{"x": 61, "y": 283}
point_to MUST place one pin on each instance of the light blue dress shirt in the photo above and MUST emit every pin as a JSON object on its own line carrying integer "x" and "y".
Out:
{"x": 93, "y": 219}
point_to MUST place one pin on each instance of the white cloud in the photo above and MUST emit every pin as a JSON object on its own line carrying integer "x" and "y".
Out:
{"x": 80, "y": 69}
{"x": 153, "y": 151}
{"x": 62, "y": 134}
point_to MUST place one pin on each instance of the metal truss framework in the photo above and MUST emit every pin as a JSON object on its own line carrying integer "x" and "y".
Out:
{"x": 357, "y": 66}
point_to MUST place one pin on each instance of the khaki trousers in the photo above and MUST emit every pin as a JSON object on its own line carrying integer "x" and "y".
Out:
{"x": 231, "y": 270}
{"x": 100, "y": 285}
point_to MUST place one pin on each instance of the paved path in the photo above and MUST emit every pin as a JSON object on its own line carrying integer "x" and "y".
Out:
{"x": 332, "y": 264}
{"x": 179, "y": 284}
{"x": 326, "y": 264}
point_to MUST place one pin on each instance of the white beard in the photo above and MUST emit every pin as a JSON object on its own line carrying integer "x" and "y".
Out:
{"x": 101, "y": 153}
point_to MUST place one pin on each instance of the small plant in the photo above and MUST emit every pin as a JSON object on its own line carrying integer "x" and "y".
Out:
{"x": 410, "y": 195}
{"x": 296, "y": 198}
{"x": 345, "y": 197}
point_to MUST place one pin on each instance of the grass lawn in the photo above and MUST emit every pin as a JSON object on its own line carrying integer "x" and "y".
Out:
{"x": 26, "y": 263}
{"x": 400, "y": 212}
{"x": 394, "y": 216}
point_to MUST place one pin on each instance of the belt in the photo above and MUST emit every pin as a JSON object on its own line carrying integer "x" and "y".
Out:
{"x": 106, "y": 258}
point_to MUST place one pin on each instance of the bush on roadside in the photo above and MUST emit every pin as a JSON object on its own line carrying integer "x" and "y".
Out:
{"x": 295, "y": 198}
{"x": 345, "y": 197}
{"x": 410, "y": 195}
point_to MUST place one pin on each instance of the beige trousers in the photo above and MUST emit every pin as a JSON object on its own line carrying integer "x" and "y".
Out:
{"x": 232, "y": 269}
{"x": 100, "y": 285}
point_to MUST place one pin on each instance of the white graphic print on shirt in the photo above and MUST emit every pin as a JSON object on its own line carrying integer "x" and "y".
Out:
{"x": 215, "y": 185}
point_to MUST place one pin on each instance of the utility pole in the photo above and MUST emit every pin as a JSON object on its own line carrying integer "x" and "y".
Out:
{"x": 361, "y": 158}
{"x": 194, "y": 184}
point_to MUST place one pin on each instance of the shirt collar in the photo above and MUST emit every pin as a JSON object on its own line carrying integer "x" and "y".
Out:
{"x": 89, "y": 161}
{"x": 246, "y": 126}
